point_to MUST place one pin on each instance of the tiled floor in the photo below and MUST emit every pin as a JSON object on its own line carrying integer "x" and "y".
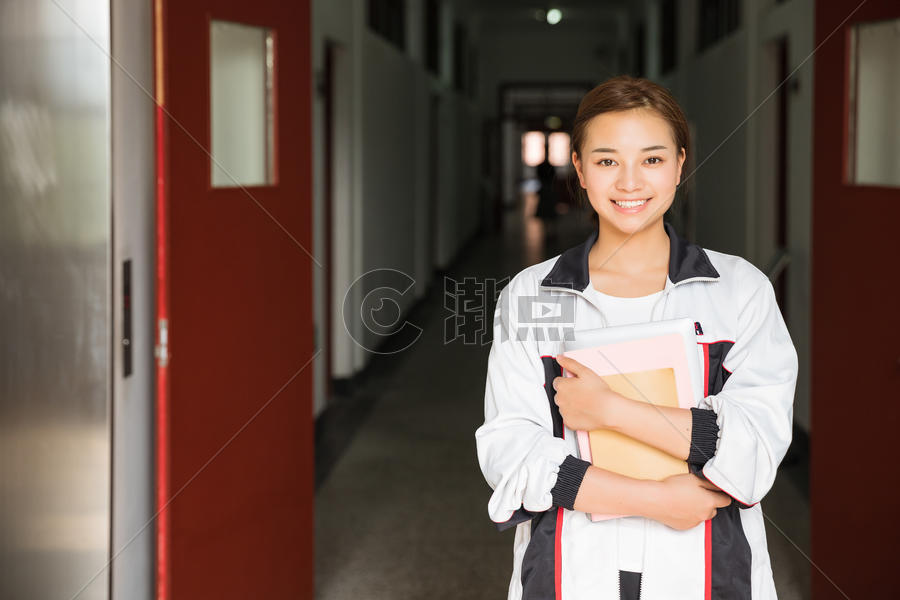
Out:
{"x": 403, "y": 512}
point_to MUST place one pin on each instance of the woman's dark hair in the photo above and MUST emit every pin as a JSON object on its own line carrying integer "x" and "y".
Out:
{"x": 625, "y": 93}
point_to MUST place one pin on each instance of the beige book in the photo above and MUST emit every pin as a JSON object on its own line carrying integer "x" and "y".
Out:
{"x": 618, "y": 452}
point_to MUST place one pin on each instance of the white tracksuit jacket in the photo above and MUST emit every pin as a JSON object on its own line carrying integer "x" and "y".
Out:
{"x": 750, "y": 373}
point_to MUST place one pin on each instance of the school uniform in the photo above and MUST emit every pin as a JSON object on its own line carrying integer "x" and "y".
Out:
{"x": 741, "y": 431}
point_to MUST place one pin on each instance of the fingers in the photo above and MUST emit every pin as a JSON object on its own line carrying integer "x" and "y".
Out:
{"x": 559, "y": 398}
{"x": 558, "y": 382}
{"x": 571, "y": 365}
{"x": 709, "y": 485}
{"x": 721, "y": 501}
{"x": 721, "y": 498}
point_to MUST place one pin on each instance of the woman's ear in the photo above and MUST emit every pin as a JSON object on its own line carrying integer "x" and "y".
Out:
{"x": 577, "y": 162}
{"x": 682, "y": 157}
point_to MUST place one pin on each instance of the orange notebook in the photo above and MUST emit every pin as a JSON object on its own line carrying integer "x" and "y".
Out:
{"x": 655, "y": 369}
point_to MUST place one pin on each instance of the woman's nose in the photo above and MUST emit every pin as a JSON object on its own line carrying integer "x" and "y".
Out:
{"x": 629, "y": 179}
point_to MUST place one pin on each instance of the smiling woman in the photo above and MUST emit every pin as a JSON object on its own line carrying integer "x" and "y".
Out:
{"x": 689, "y": 535}
{"x": 643, "y": 169}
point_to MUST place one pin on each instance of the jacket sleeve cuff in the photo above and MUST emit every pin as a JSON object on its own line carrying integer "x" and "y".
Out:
{"x": 568, "y": 480}
{"x": 704, "y": 435}
{"x": 698, "y": 471}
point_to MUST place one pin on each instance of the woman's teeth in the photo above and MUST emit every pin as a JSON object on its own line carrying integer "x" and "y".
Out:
{"x": 630, "y": 203}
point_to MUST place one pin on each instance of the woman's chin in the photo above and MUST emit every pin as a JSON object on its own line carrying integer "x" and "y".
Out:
{"x": 629, "y": 224}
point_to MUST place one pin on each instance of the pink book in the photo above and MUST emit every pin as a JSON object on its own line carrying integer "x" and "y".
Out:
{"x": 652, "y": 369}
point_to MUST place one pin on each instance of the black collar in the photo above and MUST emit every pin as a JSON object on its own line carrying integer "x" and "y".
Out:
{"x": 686, "y": 260}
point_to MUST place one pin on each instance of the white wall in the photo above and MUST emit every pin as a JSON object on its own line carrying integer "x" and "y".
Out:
{"x": 795, "y": 20}
{"x": 390, "y": 145}
{"x": 381, "y": 209}
{"x": 715, "y": 99}
{"x": 468, "y": 165}
{"x": 338, "y": 21}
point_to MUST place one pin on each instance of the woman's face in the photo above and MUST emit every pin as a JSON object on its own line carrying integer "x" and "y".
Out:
{"x": 627, "y": 156}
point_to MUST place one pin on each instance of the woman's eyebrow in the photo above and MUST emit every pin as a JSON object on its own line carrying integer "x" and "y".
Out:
{"x": 647, "y": 149}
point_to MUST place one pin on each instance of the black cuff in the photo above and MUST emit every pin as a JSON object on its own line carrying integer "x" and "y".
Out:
{"x": 571, "y": 473}
{"x": 698, "y": 471}
{"x": 704, "y": 435}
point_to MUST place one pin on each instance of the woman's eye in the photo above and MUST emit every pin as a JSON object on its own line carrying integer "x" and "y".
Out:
{"x": 608, "y": 162}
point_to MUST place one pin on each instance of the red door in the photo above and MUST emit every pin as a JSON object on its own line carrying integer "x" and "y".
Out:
{"x": 234, "y": 414}
{"x": 855, "y": 373}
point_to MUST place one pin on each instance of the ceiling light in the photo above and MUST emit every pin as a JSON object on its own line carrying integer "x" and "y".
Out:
{"x": 554, "y": 16}
{"x": 553, "y": 122}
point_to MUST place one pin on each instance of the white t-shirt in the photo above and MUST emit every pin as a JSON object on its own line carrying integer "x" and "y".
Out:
{"x": 625, "y": 311}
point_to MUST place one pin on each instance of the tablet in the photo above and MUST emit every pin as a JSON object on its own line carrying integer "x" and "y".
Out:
{"x": 684, "y": 327}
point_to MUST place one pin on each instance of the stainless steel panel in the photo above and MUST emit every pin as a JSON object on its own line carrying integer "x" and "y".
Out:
{"x": 54, "y": 299}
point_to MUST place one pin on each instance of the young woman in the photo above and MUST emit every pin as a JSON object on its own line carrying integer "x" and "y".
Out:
{"x": 698, "y": 535}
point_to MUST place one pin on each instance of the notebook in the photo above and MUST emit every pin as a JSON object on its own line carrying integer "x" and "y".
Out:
{"x": 655, "y": 361}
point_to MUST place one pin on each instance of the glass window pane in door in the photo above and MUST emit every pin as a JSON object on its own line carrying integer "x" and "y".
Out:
{"x": 874, "y": 97}
{"x": 241, "y": 104}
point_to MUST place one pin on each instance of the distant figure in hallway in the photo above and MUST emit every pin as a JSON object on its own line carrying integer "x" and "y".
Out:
{"x": 546, "y": 207}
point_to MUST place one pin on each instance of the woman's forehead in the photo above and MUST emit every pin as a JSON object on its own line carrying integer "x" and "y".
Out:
{"x": 627, "y": 130}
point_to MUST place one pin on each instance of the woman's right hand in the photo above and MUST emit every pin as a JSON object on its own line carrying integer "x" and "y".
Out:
{"x": 684, "y": 501}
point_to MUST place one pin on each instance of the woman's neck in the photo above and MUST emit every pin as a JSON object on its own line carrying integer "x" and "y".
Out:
{"x": 647, "y": 250}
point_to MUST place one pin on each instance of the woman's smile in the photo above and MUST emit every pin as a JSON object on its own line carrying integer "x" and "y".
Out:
{"x": 630, "y": 207}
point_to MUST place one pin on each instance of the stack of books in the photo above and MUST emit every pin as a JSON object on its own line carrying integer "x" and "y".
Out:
{"x": 656, "y": 362}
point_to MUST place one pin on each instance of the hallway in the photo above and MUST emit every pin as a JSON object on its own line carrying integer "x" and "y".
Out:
{"x": 403, "y": 512}
{"x": 250, "y": 255}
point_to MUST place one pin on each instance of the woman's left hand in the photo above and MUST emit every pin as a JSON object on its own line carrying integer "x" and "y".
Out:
{"x": 585, "y": 401}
